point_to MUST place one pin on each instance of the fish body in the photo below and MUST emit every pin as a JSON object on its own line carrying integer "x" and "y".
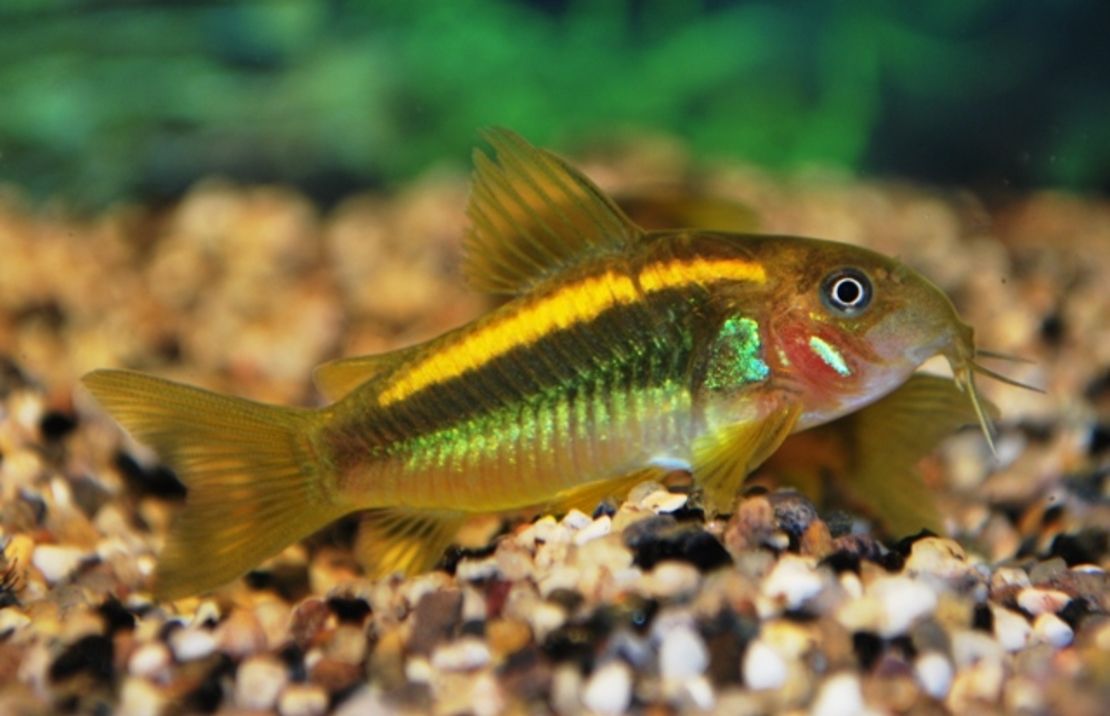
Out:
{"x": 621, "y": 354}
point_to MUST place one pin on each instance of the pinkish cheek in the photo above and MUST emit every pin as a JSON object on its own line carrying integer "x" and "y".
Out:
{"x": 816, "y": 358}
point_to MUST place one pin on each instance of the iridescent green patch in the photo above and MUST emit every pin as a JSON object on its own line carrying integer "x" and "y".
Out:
{"x": 737, "y": 356}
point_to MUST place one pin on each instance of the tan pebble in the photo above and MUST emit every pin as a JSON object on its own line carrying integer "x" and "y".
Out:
{"x": 816, "y": 540}
{"x": 939, "y": 557}
{"x": 566, "y": 689}
{"x": 1038, "y": 601}
{"x": 310, "y": 617}
{"x": 1010, "y": 628}
{"x": 12, "y": 620}
{"x": 139, "y": 697}
{"x": 751, "y": 524}
{"x": 1004, "y": 577}
{"x": 258, "y": 681}
{"x": 347, "y": 643}
{"x": 970, "y": 647}
{"x": 56, "y": 562}
{"x": 506, "y": 636}
{"x": 609, "y": 689}
{"x": 1022, "y": 695}
{"x": 1051, "y": 629}
{"x": 560, "y": 576}
{"x": 672, "y": 579}
{"x": 240, "y": 635}
{"x": 303, "y": 700}
{"x": 192, "y": 643}
{"x": 150, "y": 660}
{"x": 335, "y": 675}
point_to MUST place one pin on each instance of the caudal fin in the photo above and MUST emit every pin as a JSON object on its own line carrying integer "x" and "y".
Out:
{"x": 254, "y": 483}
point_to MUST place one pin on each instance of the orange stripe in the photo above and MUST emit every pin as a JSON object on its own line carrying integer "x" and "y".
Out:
{"x": 570, "y": 305}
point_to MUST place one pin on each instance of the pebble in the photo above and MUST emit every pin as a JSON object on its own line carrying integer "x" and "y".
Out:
{"x": 939, "y": 557}
{"x": 934, "y": 674}
{"x": 609, "y": 689}
{"x": 191, "y": 643}
{"x": 461, "y": 655}
{"x": 1051, "y": 629}
{"x": 139, "y": 697}
{"x": 794, "y": 580}
{"x": 576, "y": 519}
{"x": 303, "y": 700}
{"x": 1010, "y": 628}
{"x": 56, "y": 562}
{"x": 902, "y": 601}
{"x": 763, "y": 667}
{"x": 839, "y": 695}
{"x": 672, "y": 580}
{"x": 664, "y": 501}
{"x": 150, "y": 660}
{"x": 258, "y": 682}
{"x": 597, "y": 528}
{"x": 1039, "y": 601}
{"x": 682, "y": 654}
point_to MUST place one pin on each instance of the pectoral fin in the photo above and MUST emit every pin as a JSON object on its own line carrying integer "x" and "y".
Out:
{"x": 587, "y": 497}
{"x": 406, "y": 541}
{"x": 891, "y": 436}
{"x": 723, "y": 459}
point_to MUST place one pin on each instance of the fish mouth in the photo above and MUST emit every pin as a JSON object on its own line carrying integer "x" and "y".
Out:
{"x": 964, "y": 357}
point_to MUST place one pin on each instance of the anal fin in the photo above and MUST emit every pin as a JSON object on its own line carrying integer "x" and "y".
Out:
{"x": 408, "y": 541}
{"x": 588, "y": 496}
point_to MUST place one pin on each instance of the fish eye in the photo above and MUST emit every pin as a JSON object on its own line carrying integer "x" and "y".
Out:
{"x": 846, "y": 291}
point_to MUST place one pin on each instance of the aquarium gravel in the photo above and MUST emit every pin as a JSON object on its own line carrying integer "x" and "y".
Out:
{"x": 642, "y": 606}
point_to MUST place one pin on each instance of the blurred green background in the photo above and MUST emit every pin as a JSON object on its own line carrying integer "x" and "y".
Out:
{"x": 130, "y": 99}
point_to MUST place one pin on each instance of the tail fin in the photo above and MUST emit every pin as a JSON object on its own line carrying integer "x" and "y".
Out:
{"x": 254, "y": 482}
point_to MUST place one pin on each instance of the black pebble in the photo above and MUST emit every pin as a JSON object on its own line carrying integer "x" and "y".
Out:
{"x": 1084, "y": 547}
{"x": 293, "y": 657}
{"x": 660, "y": 538}
{"x": 1100, "y": 439}
{"x": 55, "y": 425}
{"x": 639, "y": 611}
{"x": 449, "y": 562}
{"x": 349, "y": 610}
{"x": 116, "y": 616}
{"x": 982, "y": 618}
{"x": 868, "y": 647}
{"x": 1074, "y": 612}
{"x": 91, "y": 654}
{"x": 905, "y": 545}
{"x": 579, "y": 640}
{"x": 1053, "y": 329}
{"x": 207, "y": 696}
{"x": 568, "y": 599}
{"x": 842, "y": 561}
{"x": 793, "y": 512}
{"x": 727, "y": 636}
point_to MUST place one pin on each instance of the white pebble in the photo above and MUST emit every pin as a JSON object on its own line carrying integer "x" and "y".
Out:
{"x": 663, "y": 501}
{"x": 934, "y": 674}
{"x": 56, "y": 562}
{"x": 597, "y": 528}
{"x": 902, "y": 601}
{"x": 672, "y": 578}
{"x": 1010, "y": 628}
{"x": 258, "y": 681}
{"x": 150, "y": 660}
{"x": 1051, "y": 629}
{"x": 191, "y": 643}
{"x": 1038, "y": 601}
{"x": 682, "y": 655}
{"x": 303, "y": 700}
{"x": 461, "y": 655}
{"x": 609, "y": 689}
{"x": 839, "y": 695}
{"x": 576, "y": 519}
{"x": 763, "y": 667}
{"x": 12, "y": 620}
{"x": 794, "y": 580}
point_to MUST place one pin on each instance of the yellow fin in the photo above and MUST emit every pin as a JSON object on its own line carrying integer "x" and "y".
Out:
{"x": 337, "y": 378}
{"x": 588, "y": 496}
{"x": 891, "y": 436}
{"x": 531, "y": 215}
{"x": 408, "y": 541}
{"x": 723, "y": 459}
{"x": 254, "y": 483}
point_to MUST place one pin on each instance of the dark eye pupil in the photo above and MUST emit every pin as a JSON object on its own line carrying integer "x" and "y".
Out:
{"x": 848, "y": 291}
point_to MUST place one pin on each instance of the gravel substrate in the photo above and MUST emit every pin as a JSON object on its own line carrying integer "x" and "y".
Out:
{"x": 643, "y": 606}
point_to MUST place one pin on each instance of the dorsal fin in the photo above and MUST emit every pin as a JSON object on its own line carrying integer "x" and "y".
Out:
{"x": 532, "y": 215}
{"x": 338, "y": 377}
